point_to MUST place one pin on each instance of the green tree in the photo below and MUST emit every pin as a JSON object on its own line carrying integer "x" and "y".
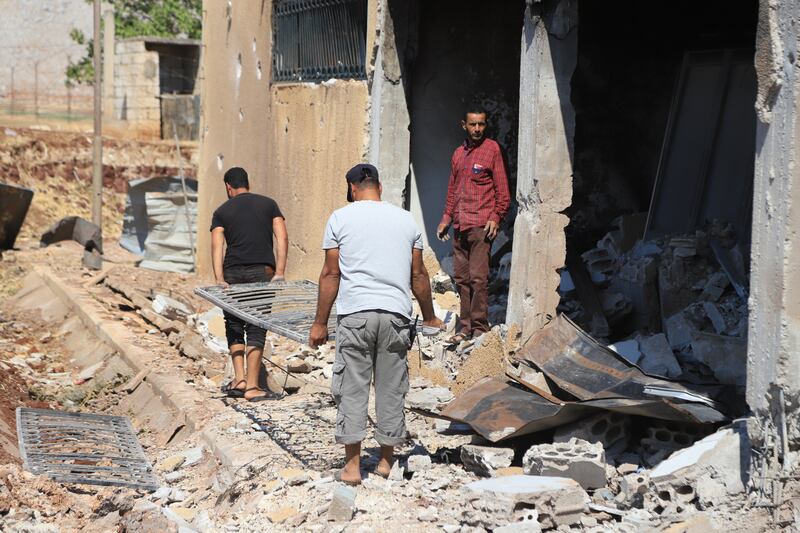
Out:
{"x": 140, "y": 18}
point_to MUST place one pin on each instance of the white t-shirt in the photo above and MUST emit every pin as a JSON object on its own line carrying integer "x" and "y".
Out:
{"x": 375, "y": 240}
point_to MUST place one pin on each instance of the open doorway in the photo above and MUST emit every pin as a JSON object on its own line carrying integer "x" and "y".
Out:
{"x": 664, "y": 148}
{"x": 467, "y": 52}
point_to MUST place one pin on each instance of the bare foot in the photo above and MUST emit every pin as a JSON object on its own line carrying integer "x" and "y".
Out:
{"x": 348, "y": 477}
{"x": 384, "y": 467}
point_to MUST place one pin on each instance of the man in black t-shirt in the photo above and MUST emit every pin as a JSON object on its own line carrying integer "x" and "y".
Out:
{"x": 246, "y": 223}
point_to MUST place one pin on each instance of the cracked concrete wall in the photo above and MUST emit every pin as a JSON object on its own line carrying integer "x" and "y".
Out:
{"x": 389, "y": 119}
{"x": 544, "y": 162}
{"x": 296, "y": 140}
{"x": 773, "y": 362}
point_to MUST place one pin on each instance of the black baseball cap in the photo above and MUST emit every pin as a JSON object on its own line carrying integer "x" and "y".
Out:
{"x": 359, "y": 173}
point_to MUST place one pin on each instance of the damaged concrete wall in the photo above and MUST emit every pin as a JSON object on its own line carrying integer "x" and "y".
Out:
{"x": 544, "y": 169}
{"x": 315, "y": 133}
{"x": 389, "y": 117}
{"x": 296, "y": 140}
{"x": 774, "y": 326}
{"x": 235, "y": 74}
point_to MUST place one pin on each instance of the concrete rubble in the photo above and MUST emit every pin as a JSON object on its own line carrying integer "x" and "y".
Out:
{"x": 558, "y": 501}
{"x": 485, "y": 460}
{"x": 669, "y": 302}
{"x": 610, "y": 430}
{"x": 272, "y": 466}
{"x": 576, "y": 459}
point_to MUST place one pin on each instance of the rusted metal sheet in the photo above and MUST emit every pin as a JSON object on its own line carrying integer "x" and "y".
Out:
{"x": 589, "y": 370}
{"x": 498, "y": 410}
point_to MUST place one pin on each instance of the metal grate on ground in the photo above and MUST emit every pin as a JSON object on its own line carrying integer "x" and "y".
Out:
{"x": 83, "y": 448}
{"x": 286, "y": 307}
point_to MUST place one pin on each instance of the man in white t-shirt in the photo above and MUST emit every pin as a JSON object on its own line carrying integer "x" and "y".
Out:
{"x": 373, "y": 262}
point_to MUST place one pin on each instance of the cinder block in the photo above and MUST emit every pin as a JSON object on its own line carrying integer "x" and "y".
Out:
{"x": 611, "y": 430}
{"x": 576, "y": 459}
{"x": 665, "y": 437}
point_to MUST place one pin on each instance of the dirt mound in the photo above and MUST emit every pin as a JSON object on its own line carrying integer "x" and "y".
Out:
{"x": 488, "y": 359}
{"x": 58, "y": 167}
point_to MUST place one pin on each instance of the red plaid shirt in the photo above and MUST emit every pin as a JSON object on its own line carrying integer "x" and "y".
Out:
{"x": 478, "y": 186}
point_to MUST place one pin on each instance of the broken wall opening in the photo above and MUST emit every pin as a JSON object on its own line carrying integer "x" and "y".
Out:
{"x": 466, "y": 52}
{"x": 664, "y": 143}
{"x": 177, "y": 66}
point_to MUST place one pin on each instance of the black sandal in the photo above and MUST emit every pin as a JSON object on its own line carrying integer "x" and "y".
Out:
{"x": 268, "y": 395}
{"x": 230, "y": 390}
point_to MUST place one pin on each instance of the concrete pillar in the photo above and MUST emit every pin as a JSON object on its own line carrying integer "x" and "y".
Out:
{"x": 773, "y": 363}
{"x": 544, "y": 171}
{"x": 390, "y": 138}
{"x": 109, "y": 38}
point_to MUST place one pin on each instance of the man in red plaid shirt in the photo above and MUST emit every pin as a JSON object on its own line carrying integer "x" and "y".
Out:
{"x": 477, "y": 200}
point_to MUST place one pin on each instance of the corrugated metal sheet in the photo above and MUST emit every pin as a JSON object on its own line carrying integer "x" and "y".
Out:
{"x": 155, "y": 225}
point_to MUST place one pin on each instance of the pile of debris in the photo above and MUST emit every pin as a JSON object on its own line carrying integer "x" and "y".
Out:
{"x": 567, "y": 404}
{"x": 571, "y": 407}
{"x": 676, "y": 306}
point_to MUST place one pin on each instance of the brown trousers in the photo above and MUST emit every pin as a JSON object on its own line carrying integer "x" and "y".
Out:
{"x": 471, "y": 268}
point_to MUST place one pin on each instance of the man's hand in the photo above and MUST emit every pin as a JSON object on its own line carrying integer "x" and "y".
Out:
{"x": 434, "y": 322}
{"x": 318, "y": 335}
{"x": 491, "y": 229}
{"x": 222, "y": 283}
{"x": 442, "y": 232}
{"x": 278, "y": 277}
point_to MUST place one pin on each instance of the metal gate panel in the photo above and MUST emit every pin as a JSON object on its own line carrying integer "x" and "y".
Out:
{"x": 286, "y": 307}
{"x": 83, "y": 448}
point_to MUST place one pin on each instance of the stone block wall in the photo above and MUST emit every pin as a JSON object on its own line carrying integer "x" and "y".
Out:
{"x": 136, "y": 86}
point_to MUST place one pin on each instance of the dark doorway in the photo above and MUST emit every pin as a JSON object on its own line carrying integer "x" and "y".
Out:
{"x": 664, "y": 149}
{"x": 467, "y": 51}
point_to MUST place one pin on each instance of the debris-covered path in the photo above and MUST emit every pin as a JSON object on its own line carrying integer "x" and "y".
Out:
{"x": 78, "y": 341}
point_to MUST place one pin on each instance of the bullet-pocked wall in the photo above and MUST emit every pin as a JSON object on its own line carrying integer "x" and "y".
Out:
{"x": 296, "y": 139}
{"x": 234, "y": 73}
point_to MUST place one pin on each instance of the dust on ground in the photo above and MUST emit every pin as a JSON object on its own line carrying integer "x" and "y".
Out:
{"x": 416, "y": 368}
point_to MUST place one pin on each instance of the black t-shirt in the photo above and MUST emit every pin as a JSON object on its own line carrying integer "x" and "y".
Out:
{"x": 247, "y": 221}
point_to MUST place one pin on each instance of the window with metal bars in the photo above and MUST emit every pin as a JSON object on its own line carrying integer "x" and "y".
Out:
{"x": 315, "y": 40}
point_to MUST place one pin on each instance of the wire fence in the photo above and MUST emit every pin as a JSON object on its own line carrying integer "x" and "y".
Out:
{"x": 36, "y": 86}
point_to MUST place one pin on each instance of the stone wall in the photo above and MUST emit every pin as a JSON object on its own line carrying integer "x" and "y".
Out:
{"x": 136, "y": 87}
